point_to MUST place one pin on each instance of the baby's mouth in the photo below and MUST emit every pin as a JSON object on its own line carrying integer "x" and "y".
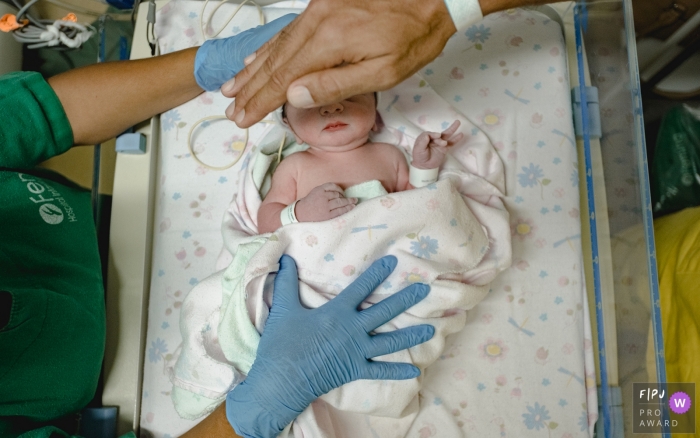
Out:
{"x": 335, "y": 126}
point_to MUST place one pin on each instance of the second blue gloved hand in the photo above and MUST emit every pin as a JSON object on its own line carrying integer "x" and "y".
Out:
{"x": 219, "y": 60}
{"x": 305, "y": 353}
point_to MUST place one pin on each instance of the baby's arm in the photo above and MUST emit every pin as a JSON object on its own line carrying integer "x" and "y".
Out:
{"x": 402, "y": 180}
{"x": 324, "y": 202}
{"x": 282, "y": 193}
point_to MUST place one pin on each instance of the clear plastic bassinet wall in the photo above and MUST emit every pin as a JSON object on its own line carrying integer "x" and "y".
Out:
{"x": 622, "y": 280}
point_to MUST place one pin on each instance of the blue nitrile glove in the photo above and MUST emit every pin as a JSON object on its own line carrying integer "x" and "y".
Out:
{"x": 304, "y": 353}
{"x": 219, "y": 60}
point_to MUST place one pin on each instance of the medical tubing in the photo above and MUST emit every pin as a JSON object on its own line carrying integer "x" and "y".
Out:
{"x": 203, "y": 27}
{"x": 209, "y": 166}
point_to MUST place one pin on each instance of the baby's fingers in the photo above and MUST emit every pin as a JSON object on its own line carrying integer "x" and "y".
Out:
{"x": 452, "y": 129}
{"x": 341, "y": 210}
{"x": 456, "y": 138}
{"x": 438, "y": 142}
{"x": 422, "y": 141}
{"x": 341, "y": 202}
{"x": 332, "y": 190}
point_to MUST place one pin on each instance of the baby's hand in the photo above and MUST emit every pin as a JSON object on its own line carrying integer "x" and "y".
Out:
{"x": 431, "y": 147}
{"x": 322, "y": 203}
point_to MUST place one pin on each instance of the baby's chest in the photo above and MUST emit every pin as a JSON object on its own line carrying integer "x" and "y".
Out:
{"x": 349, "y": 173}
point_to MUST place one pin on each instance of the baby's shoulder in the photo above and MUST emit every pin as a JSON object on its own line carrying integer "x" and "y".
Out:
{"x": 294, "y": 160}
{"x": 388, "y": 150}
{"x": 290, "y": 166}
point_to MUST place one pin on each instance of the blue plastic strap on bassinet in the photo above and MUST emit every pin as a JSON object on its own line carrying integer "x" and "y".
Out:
{"x": 606, "y": 407}
{"x": 594, "y": 125}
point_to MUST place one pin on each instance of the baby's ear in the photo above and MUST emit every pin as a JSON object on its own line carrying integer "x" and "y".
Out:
{"x": 378, "y": 123}
{"x": 296, "y": 137}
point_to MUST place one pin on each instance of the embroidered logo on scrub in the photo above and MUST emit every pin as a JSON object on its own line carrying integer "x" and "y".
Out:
{"x": 51, "y": 214}
{"x": 47, "y": 197}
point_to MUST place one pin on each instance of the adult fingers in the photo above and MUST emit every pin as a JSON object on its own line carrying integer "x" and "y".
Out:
{"x": 327, "y": 85}
{"x": 366, "y": 283}
{"x": 389, "y": 371}
{"x": 391, "y": 342}
{"x": 389, "y": 308}
{"x": 256, "y": 60}
{"x": 251, "y": 40}
{"x": 286, "y": 295}
{"x": 271, "y": 72}
{"x": 231, "y": 87}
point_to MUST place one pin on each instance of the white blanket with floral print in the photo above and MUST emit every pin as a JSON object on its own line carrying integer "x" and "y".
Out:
{"x": 523, "y": 365}
{"x": 453, "y": 235}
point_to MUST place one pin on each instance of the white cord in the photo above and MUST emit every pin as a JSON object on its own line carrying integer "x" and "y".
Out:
{"x": 55, "y": 34}
{"x": 235, "y": 146}
{"x": 203, "y": 25}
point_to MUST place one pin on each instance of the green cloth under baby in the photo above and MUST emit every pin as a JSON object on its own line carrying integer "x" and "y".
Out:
{"x": 366, "y": 190}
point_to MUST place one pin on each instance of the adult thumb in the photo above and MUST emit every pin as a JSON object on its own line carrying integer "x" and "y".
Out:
{"x": 286, "y": 293}
{"x": 337, "y": 83}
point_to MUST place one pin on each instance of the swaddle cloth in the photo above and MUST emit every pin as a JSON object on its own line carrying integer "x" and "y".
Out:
{"x": 453, "y": 235}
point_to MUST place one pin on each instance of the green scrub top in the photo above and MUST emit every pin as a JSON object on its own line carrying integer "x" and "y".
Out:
{"x": 52, "y": 347}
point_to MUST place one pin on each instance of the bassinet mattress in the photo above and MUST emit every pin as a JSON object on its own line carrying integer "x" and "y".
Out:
{"x": 523, "y": 365}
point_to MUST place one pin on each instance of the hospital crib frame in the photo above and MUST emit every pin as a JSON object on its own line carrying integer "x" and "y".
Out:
{"x": 132, "y": 222}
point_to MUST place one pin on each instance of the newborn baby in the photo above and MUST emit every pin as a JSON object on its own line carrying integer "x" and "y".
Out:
{"x": 310, "y": 186}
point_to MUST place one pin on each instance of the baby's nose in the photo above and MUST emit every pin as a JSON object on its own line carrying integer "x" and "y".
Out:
{"x": 331, "y": 109}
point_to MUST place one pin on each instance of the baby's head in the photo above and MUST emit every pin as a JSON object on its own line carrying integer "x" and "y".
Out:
{"x": 338, "y": 127}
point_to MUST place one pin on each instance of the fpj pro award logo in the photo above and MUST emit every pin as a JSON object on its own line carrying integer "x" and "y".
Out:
{"x": 664, "y": 407}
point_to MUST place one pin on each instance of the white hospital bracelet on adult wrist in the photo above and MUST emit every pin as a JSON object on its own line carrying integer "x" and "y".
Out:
{"x": 422, "y": 177}
{"x": 464, "y": 13}
{"x": 287, "y": 216}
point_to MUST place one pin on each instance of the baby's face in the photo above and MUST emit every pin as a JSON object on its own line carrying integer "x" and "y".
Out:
{"x": 337, "y": 127}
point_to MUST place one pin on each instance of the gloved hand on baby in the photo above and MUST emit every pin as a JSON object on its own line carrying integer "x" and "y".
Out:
{"x": 292, "y": 369}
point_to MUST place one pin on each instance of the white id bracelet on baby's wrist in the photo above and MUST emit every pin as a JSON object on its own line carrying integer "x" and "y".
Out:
{"x": 464, "y": 13}
{"x": 287, "y": 216}
{"x": 422, "y": 177}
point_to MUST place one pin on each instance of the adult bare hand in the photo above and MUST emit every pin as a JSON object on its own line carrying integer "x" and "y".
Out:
{"x": 336, "y": 49}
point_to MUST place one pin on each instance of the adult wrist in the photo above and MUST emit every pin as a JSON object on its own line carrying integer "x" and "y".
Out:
{"x": 209, "y": 71}
{"x": 464, "y": 13}
{"x": 249, "y": 419}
